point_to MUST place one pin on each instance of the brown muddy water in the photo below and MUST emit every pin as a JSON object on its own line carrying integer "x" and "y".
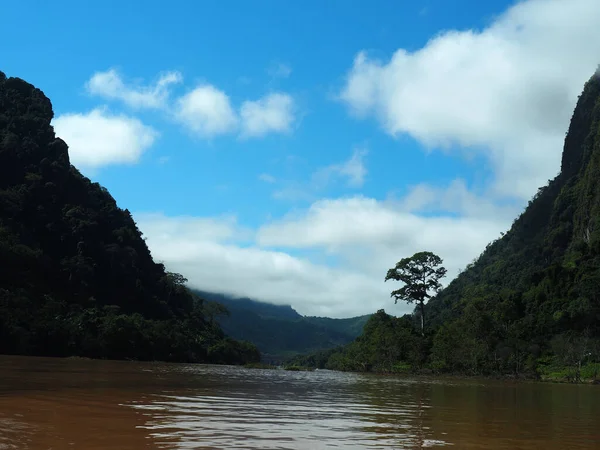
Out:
{"x": 69, "y": 403}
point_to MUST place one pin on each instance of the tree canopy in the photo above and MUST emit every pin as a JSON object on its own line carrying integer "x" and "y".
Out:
{"x": 421, "y": 274}
{"x": 77, "y": 277}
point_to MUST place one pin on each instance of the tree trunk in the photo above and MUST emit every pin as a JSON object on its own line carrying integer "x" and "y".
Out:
{"x": 422, "y": 307}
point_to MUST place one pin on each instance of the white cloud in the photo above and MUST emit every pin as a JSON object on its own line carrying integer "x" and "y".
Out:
{"x": 273, "y": 113}
{"x": 364, "y": 235}
{"x": 508, "y": 90}
{"x": 267, "y": 178}
{"x": 203, "y": 251}
{"x": 455, "y": 199}
{"x": 353, "y": 170}
{"x": 214, "y": 229}
{"x": 206, "y": 111}
{"x": 99, "y": 138}
{"x": 109, "y": 84}
{"x": 280, "y": 70}
{"x": 349, "y": 224}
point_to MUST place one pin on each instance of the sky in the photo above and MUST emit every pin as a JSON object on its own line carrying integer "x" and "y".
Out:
{"x": 292, "y": 152}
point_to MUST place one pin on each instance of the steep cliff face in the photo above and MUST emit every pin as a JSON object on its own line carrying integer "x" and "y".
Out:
{"x": 540, "y": 282}
{"x": 530, "y": 304}
{"x": 77, "y": 276}
{"x": 577, "y": 152}
{"x": 559, "y": 219}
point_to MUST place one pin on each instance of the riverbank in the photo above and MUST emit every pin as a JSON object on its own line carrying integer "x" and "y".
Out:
{"x": 547, "y": 373}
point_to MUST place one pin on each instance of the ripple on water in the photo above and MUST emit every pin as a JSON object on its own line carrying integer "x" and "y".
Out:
{"x": 14, "y": 434}
{"x": 286, "y": 410}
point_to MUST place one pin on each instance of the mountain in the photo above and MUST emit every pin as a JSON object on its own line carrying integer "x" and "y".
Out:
{"x": 535, "y": 291}
{"x": 77, "y": 277}
{"x": 279, "y": 331}
{"x": 244, "y": 304}
{"x": 530, "y": 304}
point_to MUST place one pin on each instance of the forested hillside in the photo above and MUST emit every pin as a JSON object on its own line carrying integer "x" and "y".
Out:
{"x": 530, "y": 304}
{"x": 77, "y": 277}
{"x": 278, "y": 330}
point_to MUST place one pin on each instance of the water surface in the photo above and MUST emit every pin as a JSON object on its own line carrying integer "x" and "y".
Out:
{"x": 70, "y": 403}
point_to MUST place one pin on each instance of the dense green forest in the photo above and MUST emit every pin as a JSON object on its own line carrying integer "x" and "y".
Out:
{"x": 77, "y": 277}
{"x": 278, "y": 330}
{"x": 529, "y": 305}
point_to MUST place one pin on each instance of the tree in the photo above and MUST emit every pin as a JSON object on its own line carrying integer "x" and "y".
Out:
{"x": 420, "y": 274}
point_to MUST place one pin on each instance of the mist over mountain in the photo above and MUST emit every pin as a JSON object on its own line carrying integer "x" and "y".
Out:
{"x": 278, "y": 330}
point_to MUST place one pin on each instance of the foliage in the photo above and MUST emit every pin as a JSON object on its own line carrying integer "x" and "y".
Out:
{"x": 77, "y": 277}
{"x": 280, "y": 332}
{"x": 421, "y": 274}
{"x": 530, "y": 304}
{"x": 385, "y": 341}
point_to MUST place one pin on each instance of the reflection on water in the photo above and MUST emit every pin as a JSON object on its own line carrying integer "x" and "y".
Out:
{"x": 277, "y": 409}
{"x": 59, "y": 403}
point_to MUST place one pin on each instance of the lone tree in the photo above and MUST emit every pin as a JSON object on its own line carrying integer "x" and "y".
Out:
{"x": 421, "y": 277}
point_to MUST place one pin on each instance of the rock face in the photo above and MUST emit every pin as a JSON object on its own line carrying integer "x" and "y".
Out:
{"x": 77, "y": 277}
{"x": 538, "y": 287}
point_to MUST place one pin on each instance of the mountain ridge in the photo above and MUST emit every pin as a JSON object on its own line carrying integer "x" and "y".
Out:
{"x": 278, "y": 330}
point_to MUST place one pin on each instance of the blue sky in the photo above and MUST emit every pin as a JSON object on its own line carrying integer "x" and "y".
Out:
{"x": 292, "y": 151}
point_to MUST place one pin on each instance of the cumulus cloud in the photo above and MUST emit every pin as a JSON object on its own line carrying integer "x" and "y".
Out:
{"x": 205, "y": 251}
{"x": 206, "y": 111}
{"x": 365, "y": 236}
{"x": 110, "y": 85}
{"x": 374, "y": 234}
{"x": 99, "y": 138}
{"x": 273, "y": 113}
{"x": 214, "y": 229}
{"x": 456, "y": 199}
{"x": 508, "y": 90}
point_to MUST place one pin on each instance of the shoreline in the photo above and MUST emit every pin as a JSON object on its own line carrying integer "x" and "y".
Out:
{"x": 259, "y": 366}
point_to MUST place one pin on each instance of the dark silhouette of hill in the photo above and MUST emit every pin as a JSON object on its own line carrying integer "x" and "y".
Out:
{"x": 279, "y": 331}
{"x": 76, "y": 275}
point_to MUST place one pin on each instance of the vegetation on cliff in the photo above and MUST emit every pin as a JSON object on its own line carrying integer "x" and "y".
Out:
{"x": 530, "y": 304}
{"x": 279, "y": 331}
{"x": 77, "y": 278}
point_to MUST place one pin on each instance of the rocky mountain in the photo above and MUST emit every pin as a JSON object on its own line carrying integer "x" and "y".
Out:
{"x": 76, "y": 275}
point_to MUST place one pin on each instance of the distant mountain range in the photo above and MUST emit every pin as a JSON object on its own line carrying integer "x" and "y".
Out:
{"x": 279, "y": 331}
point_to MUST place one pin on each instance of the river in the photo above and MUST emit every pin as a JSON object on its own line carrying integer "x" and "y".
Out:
{"x": 48, "y": 403}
